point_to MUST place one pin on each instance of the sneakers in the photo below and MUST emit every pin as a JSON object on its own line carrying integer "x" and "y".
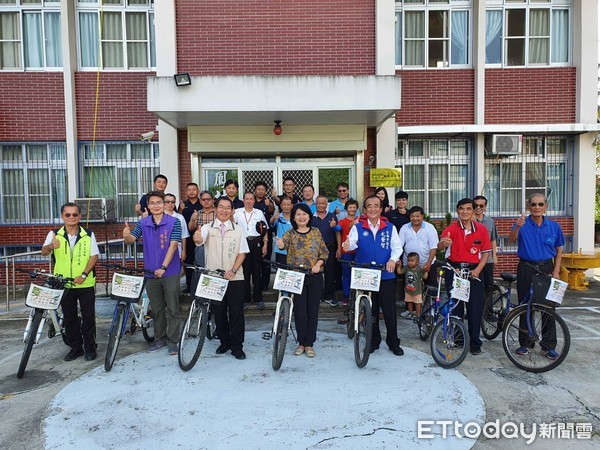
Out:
{"x": 522, "y": 351}
{"x": 156, "y": 346}
{"x": 332, "y": 302}
{"x": 405, "y": 314}
{"x": 173, "y": 349}
{"x": 550, "y": 354}
{"x": 74, "y": 354}
{"x": 410, "y": 316}
{"x": 345, "y": 301}
{"x": 260, "y": 305}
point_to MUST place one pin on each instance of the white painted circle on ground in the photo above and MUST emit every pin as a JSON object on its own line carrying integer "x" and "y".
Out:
{"x": 147, "y": 402}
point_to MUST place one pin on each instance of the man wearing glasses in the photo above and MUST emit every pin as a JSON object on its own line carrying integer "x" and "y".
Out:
{"x": 74, "y": 253}
{"x": 540, "y": 243}
{"x": 338, "y": 206}
{"x": 161, "y": 235}
{"x": 205, "y": 215}
{"x": 487, "y": 274}
{"x": 190, "y": 206}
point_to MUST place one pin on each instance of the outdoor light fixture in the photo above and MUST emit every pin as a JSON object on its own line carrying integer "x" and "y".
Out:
{"x": 182, "y": 79}
{"x": 277, "y": 128}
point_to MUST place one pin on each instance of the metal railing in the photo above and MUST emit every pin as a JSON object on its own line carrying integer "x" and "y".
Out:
{"x": 11, "y": 261}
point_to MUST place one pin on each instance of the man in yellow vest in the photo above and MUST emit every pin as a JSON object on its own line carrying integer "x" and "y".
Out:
{"x": 74, "y": 252}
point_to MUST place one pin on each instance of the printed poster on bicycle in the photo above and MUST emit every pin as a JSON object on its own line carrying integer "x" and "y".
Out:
{"x": 211, "y": 288}
{"x": 556, "y": 291}
{"x": 127, "y": 286}
{"x": 365, "y": 279}
{"x": 43, "y": 297}
{"x": 461, "y": 289}
{"x": 289, "y": 281}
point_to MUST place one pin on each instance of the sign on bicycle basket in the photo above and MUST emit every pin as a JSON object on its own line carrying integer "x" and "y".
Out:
{"x": 556, "y": 291}
{"x": 211, "y": 288}
{"x": 289, "y": 281}
{"x": 127, "y": 286}
{"x": 43, "y": 297}
{"x": 365, "y": 279}
{"x": 461, "y": 289}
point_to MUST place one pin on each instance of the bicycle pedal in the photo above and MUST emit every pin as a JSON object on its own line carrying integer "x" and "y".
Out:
{"x": 267, "y": 336}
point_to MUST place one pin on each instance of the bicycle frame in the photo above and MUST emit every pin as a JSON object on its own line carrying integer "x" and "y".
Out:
{"x": 359, "y": 295}
{"x": 140, "y": 319}
{"x": 283, "y": 295}
{"x": 53, "y": 317}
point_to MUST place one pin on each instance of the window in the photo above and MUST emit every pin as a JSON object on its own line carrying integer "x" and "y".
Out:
{"x": 531, "y": 33}
{"x": 432, "y": 37}
{"x": 33, "y": 186}
{"x": 125, "y": 39}
{"x": 436, "y": 173}
{"x": 541, "y": 167}
{"x": 118, "y": 170}
{"x": 30, "y": 35}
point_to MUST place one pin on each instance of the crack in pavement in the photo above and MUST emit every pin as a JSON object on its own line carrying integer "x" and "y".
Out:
{"x": 585, "y": 407}
{"x": 356, "y": 435}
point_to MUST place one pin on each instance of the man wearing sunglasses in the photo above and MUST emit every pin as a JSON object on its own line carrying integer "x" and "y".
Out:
{"x": 487, "y": 274}
{"x": 338, "y": 206}
{"x": 540, "y": 243}
{"x": 74, "y": 253}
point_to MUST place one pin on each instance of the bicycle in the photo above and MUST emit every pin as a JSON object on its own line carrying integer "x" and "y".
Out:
{"x": 44, "y": 301}
{"x": 430, "y": 311}
{"x": 497, "y": 306}
{"x": 533, "y": 323}
{"x": 289, "y": 280}
{"x": 365, "y": 278}
{"x": 128, "y": 288}
{"x": 211, "y": 286}
{"x": 450, "y": 338}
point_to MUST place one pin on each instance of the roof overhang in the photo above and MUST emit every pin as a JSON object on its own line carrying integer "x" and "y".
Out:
{"x": 259, "y": 100}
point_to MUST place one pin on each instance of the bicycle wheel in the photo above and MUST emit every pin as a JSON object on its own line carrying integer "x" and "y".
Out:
{"x": 362, "y": 338}
{"x": 29, "y": 341}
{"x": 518, "y": 334}
{"x": 192, "y": 336}
{"x": 493, "y": 313}
{"x": 148, "y": 327}
{"x": 212, "y": 327}
{"x": 350, "y": 323}
{"x": 114, "y": 337}
{"x": 449, "y": 342}
{"x": 425, "y": 321}
{"x": 281, "y": 332}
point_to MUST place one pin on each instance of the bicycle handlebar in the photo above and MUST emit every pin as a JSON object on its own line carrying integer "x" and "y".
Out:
{"x": 40, "y": 273}
{"x": 218, "y": 272}
{"x": 128, "y": 270}
{"x": 371, "y": 265}
{"x": 444, "y": 265}
{"x": 306, "y": 270}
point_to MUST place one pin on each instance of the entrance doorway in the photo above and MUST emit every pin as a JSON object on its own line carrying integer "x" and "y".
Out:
{"x": 322, "y": 173}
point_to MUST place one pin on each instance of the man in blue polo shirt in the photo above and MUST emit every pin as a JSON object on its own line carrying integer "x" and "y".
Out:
{"x": 326, "y": 223}
{"x": 467, "y": 245}
{"x": 540, "y": 243}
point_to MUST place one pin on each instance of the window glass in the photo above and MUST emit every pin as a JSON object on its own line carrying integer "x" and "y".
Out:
{"x": 560, "y": 36}
{"x": 493, "y": 37}
{"x": 460, "y": 37}
{"x": 10, "y": 41}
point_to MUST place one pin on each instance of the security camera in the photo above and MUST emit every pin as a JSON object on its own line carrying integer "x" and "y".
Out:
{"x": 147, "y": 137}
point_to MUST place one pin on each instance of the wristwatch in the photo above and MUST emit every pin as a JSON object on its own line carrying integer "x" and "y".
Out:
{"x": 84, "y": 275}
{"x": 234, "y": 271}
{"x": 162, "y": 268}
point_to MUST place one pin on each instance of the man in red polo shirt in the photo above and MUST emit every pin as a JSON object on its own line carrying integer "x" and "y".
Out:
{"x": 467, "y": 245}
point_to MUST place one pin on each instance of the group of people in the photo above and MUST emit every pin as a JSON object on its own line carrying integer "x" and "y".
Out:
{"x": 237, "y": 235}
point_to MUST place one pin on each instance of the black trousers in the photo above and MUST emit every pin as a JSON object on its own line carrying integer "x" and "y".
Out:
{"x": 525, "y": 276}
{"x": 386, "y": 298}
{"x": 474, "y": 308}
{"x": 266, "y": 267}
{"x": 329, "y": 272}
{"x": 229, "y": 316}
{"x": 190, "y": 257}
{"x": 487, "y": 276}
{"x": 80, "y": 335}
{"x": 306, "y": 310}
{"x": 252, "y": 270}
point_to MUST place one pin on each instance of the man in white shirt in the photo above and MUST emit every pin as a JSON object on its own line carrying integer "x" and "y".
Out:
{"x": 254, "y": 225}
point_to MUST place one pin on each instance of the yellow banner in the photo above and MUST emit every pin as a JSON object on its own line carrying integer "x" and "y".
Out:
{"x": 386, "y": 177}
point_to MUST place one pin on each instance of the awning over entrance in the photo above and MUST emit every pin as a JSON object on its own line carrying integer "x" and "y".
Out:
{"x": 259, "y": 100}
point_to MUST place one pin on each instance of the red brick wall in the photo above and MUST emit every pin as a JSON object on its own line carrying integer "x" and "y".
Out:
{"x": 276, "y": 37}
{"x": 437, "y": 97}
{"x": 544, "y": 95}
{"x": 32, "y": 106}
{"x": 122, "y": 106}
{"x": 185, "y": 168}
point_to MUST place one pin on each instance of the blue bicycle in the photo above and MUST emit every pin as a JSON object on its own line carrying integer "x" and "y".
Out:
{"x": 497, "y": 305}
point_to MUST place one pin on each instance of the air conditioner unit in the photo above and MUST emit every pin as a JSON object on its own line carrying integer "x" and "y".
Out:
{"x": 101, "y": 209}
{"x": 507, "y": 144}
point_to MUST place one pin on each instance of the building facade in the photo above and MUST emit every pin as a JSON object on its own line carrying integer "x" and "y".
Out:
{"x": 466, "y": 97}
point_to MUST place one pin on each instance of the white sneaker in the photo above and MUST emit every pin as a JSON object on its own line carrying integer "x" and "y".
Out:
{"x": 405, "y": 314}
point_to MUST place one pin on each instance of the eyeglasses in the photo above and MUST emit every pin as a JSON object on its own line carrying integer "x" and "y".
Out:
{"x": 206, "y": 199}
{"x": 479, "y": 205}
{"x": 169, "y": 201}
{"x": 533, "y": 205}
{"x": 69, "y": 215}
{"x": 155, "y": 203}
{"x": 342, "y": 190}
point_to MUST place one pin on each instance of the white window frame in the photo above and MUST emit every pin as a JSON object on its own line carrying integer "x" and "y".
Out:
{"x": 94, "y": 6}
{"x": 426, "y": 7}
{"x": 528, "y": 5}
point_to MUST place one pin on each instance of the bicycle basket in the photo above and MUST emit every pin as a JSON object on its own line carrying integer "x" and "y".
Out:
{"x": 548, "y": 291}
{"x": 126, "y": 287}
{"x": 43, "y": 297}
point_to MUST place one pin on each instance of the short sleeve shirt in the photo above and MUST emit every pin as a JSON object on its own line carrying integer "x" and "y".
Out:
{"x": 467, "y": 244}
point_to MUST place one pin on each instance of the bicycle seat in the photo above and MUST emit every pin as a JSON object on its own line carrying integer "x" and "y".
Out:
{"x": 509, "y": 277}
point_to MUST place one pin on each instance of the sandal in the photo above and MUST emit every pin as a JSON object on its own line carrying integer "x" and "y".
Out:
{"x": 310, "y": 352}
{"x": 299, "y": 350}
